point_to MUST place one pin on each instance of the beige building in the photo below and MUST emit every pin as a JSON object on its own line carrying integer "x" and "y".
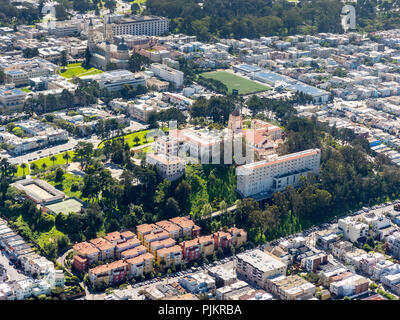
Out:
{"x": 257, "y": 266}
{"x": 168, "y": 166}
{"x": 291, "y": 288}
{"x": 158, "y": 84}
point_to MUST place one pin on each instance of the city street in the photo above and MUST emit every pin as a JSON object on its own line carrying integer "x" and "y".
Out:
{"x": 47, "y": 152}
{"x": 12, "y": 272}
{"x": 134, "y": 292}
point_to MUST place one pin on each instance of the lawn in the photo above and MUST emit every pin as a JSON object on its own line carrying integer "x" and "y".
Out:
{"x": 232, "y": 81}
{"x": 49, "y": 163}
{"x": 76, "y": 70}
{"x": 129, "y": 138}
{"x": 67, "y": 183}
{"x": 45, "y": 237}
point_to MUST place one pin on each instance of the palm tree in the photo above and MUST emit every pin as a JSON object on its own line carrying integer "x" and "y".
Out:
{"x": 136, "y": 139}
{"x": 53, "y": 158}
{"x": 33, "y": 166}
{"x": 66, "y": 157}
{"x": 23, "y": 166}
{"x": 44, "y": 166}
{"x": 4, "y": 166}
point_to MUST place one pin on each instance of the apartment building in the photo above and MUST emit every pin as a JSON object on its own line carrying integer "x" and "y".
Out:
{"x": 127, "y": 235}
{"x": 168, "y": 166}
{"x": 352, "y": 230}
{"x": 141, "y": 111}
{"x": 311, "y": 264}
{"x": 11, "y": 99}
{"x": 157, "y": 245}
{"x": 159, "y": 235}
{"x": 40, "y": 135}
{"x": 140, "y": 265}
{"x": 197, "y": 283}
{"x": 168, "y": 74}
{"x": 171, "y": 255}
{"x": 187, "y": 227}
{"x": 222, "y": 240}
{"x": 223, "y": 277}
{"x": 190, "y": 249}
{"x": 145, "y": 229}
{"x": 291, "y": 287}
{"x": 351, "y": 285}
{"x": 173, "y": 229}
{"x": 276, "y": 173}
{"x": 393, "y": 244}
{"x": 137, "y": 25}
{"x": 207, "y": 245}
{"x": 257, "y": 266}
{"x": 110, "y": 273}
{"x": 134, "y": 252}
{"x": 85, "y": 254}
{"x": 128, "y": 244}
{"x": 106, "y": 248}
{"x": 114, "y": 238}
{"x": 239, "y": 236}
{"x": 178, "y": 227}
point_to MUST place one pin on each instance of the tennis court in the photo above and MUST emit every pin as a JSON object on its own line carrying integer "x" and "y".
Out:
{"x": 66, "y": 206}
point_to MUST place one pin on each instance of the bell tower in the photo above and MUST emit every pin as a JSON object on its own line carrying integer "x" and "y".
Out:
{"x": 235, "y": 123}
{"x": 90, "y": 36}
{"x": 108, "y": 33}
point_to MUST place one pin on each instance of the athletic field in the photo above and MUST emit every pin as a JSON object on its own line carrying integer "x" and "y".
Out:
{"x": 232, "y": 81}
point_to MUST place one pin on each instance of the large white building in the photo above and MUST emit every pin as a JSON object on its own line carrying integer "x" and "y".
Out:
{"x": 168, "y": 166}
{"x": 116, "y": 79}
{"x": 276, "y": 173}
{"x": 62, "y": 28}
{"x": 169, "y": 74}
{"x": 352, "y": 230}
{"x": 137, "y": 25}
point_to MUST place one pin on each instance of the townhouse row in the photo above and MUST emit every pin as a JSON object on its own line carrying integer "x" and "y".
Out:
{"x": 135, "y": 256}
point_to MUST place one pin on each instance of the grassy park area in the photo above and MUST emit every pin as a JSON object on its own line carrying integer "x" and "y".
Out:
{"x": 71, "y": 185}
{"x": 130, "y": 139}
{"x": 232, "y": 81}
{"x": 76, "y": 70}
{"x": 48, "y": 161}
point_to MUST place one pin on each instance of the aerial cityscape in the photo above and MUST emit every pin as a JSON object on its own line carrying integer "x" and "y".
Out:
{"x": 210, "y": 150}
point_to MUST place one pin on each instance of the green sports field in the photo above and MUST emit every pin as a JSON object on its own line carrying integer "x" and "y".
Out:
{"x": 232, "y": 81}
